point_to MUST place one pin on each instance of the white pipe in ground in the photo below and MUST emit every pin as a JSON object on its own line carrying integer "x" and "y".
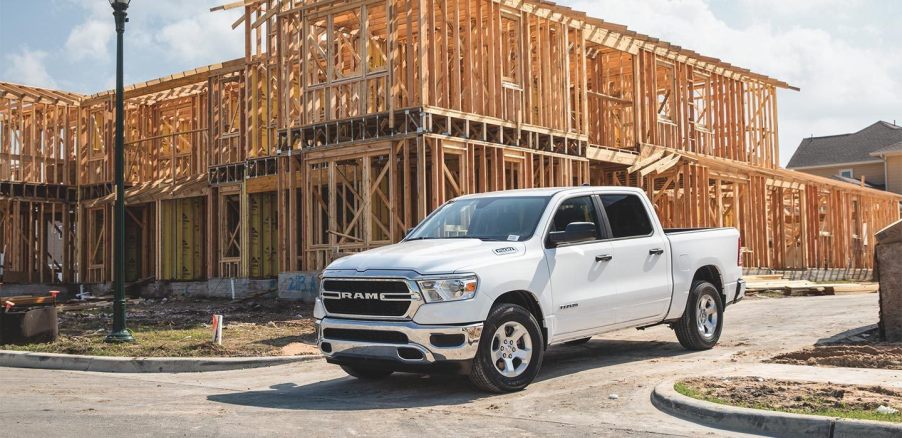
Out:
{"x": 217, "y": 329}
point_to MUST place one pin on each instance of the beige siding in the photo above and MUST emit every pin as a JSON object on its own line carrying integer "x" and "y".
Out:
{"x": 873, "y": 172}
{"x": 894, "y": 173}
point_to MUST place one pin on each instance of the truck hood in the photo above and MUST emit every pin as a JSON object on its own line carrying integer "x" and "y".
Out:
{"x": 432, "y": 256}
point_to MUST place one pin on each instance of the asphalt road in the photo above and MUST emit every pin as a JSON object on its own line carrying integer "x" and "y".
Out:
{"x": 572, "y": 397}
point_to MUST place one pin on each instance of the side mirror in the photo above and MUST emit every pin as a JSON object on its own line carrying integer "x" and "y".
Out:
{"x": 575, "y": 232}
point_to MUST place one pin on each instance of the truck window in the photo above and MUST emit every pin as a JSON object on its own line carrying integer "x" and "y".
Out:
{"x": 579, "y": 209}
{"x": 627, "y": 216}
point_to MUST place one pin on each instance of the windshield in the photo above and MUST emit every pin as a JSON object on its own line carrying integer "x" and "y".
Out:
{"x": 495, "y": 218}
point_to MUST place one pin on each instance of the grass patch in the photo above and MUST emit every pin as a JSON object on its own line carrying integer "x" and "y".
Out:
{"x": 823, "y": 399}
{"x": 690, "y": 392}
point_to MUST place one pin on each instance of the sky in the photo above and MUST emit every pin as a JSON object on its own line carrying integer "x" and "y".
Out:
{"x": 845, "y": 55}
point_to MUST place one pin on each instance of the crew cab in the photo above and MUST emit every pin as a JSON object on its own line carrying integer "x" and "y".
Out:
{"x": 487, "y": 282}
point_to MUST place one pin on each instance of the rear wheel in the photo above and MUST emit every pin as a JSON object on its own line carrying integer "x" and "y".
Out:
{"x": 702, "y": 321}
{"x": 510, "y": 350}
{"x": 366, "y": 373}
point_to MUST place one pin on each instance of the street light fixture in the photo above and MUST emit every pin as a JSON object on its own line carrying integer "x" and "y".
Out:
{"x": 120, "y": 333}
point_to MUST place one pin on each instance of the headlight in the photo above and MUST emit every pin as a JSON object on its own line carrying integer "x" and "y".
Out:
{"x": 448, "y": 289}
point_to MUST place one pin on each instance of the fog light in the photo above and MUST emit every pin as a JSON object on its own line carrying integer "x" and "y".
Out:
{"x": 446, "y": 341}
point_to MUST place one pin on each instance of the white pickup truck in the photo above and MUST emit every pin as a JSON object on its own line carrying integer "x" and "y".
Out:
{"x": 487, "y": 282}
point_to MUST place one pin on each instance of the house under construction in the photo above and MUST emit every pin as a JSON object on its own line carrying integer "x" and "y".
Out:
{"x": 347, "y": 122}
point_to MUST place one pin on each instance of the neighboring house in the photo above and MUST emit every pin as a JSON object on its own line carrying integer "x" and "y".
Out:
{"x": 892, "y": 162}
{"x": 874, "y": 154}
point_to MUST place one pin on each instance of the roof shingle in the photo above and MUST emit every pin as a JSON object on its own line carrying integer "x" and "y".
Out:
{"x": 846, "y": 148}
{"x": 895, "y": 147}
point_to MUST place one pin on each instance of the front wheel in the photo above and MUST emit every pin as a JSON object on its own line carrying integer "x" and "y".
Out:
{"x": 702, "y": 321}
{"x": 510, "y": 350}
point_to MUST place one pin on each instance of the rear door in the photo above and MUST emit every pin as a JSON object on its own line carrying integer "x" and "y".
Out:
{"x": 640, "y": 268}
{"x": 579, "y": 271}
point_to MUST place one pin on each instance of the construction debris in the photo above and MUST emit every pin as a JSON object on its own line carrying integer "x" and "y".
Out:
{"x": 761, "y": 283}
{"x": 886, "y": 410}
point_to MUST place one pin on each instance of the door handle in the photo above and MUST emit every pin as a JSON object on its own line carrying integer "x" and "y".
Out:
{"x": 656, "y": 251}
{"x": 604, "y": 258}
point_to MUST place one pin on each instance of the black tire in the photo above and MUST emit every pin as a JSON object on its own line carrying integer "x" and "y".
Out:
{"x": 687, "y": 329}
{"x": 485, "y": 375}
{"x": 366, "y": 373}
{"x": 578, "y": 341}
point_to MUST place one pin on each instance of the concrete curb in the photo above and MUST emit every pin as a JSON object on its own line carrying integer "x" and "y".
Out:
{"x": 72, "y": 362}
{"x": 770, "y": 423}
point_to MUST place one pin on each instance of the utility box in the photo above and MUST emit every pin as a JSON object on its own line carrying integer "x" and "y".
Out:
{"x": 28, "y": 319}
{"x": 29, "y": 326}
{"x": 888, "y": 272}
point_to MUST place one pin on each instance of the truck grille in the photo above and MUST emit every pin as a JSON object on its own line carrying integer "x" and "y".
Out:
{"x": 374, "y": 298}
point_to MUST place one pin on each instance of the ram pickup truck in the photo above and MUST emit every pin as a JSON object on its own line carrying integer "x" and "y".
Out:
{"x": 487, "y": 282}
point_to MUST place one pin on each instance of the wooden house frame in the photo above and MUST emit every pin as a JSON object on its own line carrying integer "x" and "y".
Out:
{"x": 348, "y": 121}
{"x": 37, "y": 180}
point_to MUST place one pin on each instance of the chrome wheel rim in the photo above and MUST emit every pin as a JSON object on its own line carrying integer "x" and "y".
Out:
{"x": 706, "y": 316}
{"x": 511, "y": 349}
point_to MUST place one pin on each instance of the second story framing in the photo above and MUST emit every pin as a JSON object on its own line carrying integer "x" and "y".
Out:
{"x": 532, "y": 66}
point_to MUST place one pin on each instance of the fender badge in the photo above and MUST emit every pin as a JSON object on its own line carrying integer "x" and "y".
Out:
{"x": 505, "y": 250}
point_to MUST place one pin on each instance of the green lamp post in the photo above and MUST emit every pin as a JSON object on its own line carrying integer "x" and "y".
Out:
{"x": 120, "y": 333}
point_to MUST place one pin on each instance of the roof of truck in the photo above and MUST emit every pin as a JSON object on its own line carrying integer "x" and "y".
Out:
{"x": 549, "y": 191}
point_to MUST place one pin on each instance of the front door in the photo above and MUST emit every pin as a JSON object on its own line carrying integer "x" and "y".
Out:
{"x": 578, "y": 271}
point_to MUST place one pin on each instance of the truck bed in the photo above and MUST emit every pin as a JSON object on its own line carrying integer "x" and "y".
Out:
{"x": 692, "y": 248}
{"x": 689, "y": 230}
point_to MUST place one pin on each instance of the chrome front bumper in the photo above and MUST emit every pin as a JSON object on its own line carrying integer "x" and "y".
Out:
{"x": 419, "y": 338}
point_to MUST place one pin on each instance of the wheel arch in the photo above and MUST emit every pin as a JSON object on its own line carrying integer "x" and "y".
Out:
{"x": 711, "y": 274}
{"x": 528, "y": 301}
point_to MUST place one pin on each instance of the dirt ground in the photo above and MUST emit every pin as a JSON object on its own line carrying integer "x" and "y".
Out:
{"x": 799, "y": 397}
{"x": 181, "y": 327}
{"x": 863, "y": 350}
{"x": 886, "y": 356}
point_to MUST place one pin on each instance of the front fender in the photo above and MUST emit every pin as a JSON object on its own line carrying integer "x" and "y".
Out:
{"x": 522, "y": 273}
